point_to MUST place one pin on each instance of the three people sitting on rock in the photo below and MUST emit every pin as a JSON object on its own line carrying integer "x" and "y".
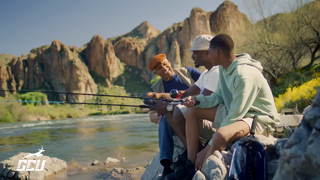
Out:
{"x": 242, "y": 93}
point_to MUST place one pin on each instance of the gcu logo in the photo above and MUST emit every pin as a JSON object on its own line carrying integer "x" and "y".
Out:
{"x": 28, "y": 162}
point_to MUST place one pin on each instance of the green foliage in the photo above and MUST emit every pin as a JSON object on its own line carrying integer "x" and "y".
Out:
{"x": 306, "y": 92}
{"x": 132, "y": 81}
{"x": 294, "y": 79}
{"x": 5, "y": 115}
{"x": 113, "y": 90}
{"x": 33, "y": 96}
{"x": 101, "y": 81}
{"x": 286, "y": 41}
{"x": 154, "y": 80}
{"x": 12, "y": 112}
{"x": 42, "y": 48}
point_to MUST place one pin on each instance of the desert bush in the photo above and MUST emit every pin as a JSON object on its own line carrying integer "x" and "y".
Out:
{"x": 12, "y": 112}
{"x": 33, "y": 96}
{"x": 295, "y": 79}
{"x": 306, "y": 91}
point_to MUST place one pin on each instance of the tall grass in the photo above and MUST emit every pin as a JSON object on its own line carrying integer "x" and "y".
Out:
{"x": 12, "y": 112}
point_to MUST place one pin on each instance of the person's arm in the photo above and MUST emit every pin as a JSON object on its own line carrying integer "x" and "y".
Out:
{"x": 195, "y": 90}
{"x": 245, "y": 94}
{"x": 210, "y": 101}
{"x": 191, "y": 91}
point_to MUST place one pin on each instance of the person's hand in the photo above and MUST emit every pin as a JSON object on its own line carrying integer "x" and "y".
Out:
{"x": 201, "y": 158}
{"x": 154, "y": 95}
{"x": 210, "y": 151}
{"x": 160, "y": 108}
{"x": 189, "y": 101}
{"x": 154, "y": 117}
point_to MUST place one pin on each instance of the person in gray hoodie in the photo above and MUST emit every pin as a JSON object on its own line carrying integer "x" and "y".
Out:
{"x": 242, "y": 93}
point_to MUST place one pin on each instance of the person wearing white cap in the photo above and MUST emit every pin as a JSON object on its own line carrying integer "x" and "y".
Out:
{"x": 206, "y": 85}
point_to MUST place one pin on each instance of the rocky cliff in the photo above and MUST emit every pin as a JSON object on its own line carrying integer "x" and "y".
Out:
{"x": 176, "y": 40}
{"x": 101, "y": 59}
{"x": 64, "y": 68}
{"x": 57, "y": 67}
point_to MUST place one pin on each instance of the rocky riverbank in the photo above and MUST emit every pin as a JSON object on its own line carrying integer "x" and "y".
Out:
{"x": 51, "y": 168}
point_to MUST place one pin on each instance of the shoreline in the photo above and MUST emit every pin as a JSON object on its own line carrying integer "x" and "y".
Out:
{"x": 29, "y": 117}
{"x": 99, "y": 170}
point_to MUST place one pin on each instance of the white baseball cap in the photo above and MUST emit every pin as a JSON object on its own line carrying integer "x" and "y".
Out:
{"x": 201, "y": 42}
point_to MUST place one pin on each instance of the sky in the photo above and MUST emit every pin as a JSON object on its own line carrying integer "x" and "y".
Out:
{"x": 28, "y": 24}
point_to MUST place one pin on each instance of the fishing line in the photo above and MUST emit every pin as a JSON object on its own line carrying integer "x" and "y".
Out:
{"x": 71, "y": 93}
{"x": 66, "y": 102}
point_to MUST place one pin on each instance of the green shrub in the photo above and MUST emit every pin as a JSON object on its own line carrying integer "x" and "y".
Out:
{"x": 154, "y": 80}
{"x": 33, "y": 96}
{"x": 294, "y": 79}
{"x": 307, "y": 91}
{"x": 12, "y": 112}
{"x": 132, "y": 81}
{"x": 5, "y": 115}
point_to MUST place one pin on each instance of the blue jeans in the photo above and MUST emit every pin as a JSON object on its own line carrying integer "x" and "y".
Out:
{"x": 166, "y": 145}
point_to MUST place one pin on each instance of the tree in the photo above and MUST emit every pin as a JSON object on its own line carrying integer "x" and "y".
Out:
{"x": 284, "y": 41}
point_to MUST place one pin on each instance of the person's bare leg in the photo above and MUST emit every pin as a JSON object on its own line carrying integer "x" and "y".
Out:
{"x": 226, "y": 134}
{"x": 175, "y": 128}
{"x": 180, "y": 123}
{"x": 192, "y": 128}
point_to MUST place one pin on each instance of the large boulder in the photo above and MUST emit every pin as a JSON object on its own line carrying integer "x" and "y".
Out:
{"x": 154, "y": 169}
{"x": 300, "y": 157}
{"x": 8, "y": 168}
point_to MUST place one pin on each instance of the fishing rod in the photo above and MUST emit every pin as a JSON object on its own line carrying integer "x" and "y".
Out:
{"x": 66, "y": 102}
{"x": 148, "y": 101}
{"x": 72, "y": 93}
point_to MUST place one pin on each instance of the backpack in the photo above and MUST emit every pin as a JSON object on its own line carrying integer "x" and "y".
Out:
{"x": 249, "y": 161}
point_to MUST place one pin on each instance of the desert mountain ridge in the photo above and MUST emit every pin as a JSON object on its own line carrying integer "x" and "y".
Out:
{"x": 68, "y": 68}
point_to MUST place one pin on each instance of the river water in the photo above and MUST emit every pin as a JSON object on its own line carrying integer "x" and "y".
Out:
{"x": 84, "y": 139}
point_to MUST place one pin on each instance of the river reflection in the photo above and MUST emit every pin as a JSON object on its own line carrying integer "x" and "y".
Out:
{"x": 84, "y": 139}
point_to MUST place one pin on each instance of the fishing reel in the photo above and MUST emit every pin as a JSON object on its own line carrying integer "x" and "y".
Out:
{"x": 148, "y": 101}
{"x": 175, "y": 94}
